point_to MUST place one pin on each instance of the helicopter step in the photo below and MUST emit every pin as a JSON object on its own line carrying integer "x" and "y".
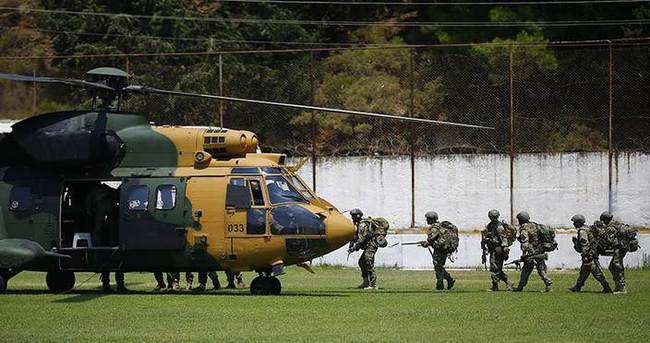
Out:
{"x": 266, "y": 285}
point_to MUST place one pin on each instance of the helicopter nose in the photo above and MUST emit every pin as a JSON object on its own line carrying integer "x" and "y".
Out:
{"x": 340, "y": 230}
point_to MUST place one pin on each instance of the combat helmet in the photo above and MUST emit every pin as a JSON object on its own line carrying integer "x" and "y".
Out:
{"x": 606, "y": 216}
{"x": 355, "y": 212}
{"x": 431, "y": 215}
{"x": 523, "y": 216}
{"x": 493, "y": 214}
{"x": 578, "y": 218}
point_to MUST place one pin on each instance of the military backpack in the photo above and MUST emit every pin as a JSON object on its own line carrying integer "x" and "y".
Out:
{"x": 627, "y": 238}
{"x": 606, "y": 238}
{"x": 546, "y": 237}
{"x": 379, "y": 232}
{"x": 447, "y": 240}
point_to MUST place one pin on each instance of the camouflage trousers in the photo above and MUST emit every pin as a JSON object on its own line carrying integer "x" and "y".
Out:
{"x": 527, "y": 269}
{"x": 439, "y": 260}
{"x": 119, "y": 278}
{"x": 591, "y": 266}
{"x": 496, "y": 267}
{"x": 367, "y": 266}
{"x": 203, "y": 279}
{"x": 617, "y": 269}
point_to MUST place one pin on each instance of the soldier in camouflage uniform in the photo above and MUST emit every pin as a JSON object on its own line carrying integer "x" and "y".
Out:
{"x": 616, "y": 266}
{"x": 588, "y": 251}
{"x": 495, "y": 242}
{"x": 439, "y": 257}
{"x": 367, "y": 241}
{"x": 203, "y": 280}
{"x": 531, "y": 245}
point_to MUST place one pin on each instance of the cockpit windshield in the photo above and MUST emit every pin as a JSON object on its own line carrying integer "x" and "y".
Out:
{"x": 300, "y": 186}
{"x": 281, "y": 191}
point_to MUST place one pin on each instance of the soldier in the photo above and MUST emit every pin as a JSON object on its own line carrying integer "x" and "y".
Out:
{"x": 436, "y": 239}
{"x": 371, "y": 234}
{"x": 496, "y": 242}
{"x": 584, "y": 243}
{"x": 533, "y": 253}
{"x": 616, "y": 266}
{"x": 119, "y": 281}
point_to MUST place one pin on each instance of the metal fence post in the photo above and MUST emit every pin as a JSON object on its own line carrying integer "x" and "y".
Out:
{"x": 221, "y": 91}
{"x": 34, "y": 85}
{"x": 610, "y": 147}
{"x": 512, "y": 140}
{"x": 312, "y": 122}
{"x": 412, "y": 133}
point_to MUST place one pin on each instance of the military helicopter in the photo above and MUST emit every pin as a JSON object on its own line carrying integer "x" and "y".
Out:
{"x": 104, "y": 190}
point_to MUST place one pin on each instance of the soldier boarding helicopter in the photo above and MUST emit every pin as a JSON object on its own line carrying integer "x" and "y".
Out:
{"x": 103, "y": 190}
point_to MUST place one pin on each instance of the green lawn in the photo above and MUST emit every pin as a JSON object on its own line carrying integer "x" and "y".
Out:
{"x": 326, "y": 307}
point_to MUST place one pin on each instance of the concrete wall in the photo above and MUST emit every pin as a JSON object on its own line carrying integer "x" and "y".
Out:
{"x": 462, "y": 188}
{"x": 469, "y": 254}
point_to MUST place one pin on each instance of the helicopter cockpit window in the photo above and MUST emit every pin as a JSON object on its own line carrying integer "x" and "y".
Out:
{"x": 20, "y": 199}
{"x": 295, "y": 220}
{"x": 281, "y": 191}
{"x": 272, "y": 170}
{"x": 245, "y": 170}
{"x": 138, "y": 198}
{"x": 165, "y": 197}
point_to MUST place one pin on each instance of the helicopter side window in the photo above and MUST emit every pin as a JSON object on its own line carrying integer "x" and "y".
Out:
{"x": 256, "y": 191}
{"x": 20, "y": 199}
{"x": 165, "y": 197}
{"x": 281, "y": 191}
{"x": 245, "y": 170}
{"x": 272, "y": 170}
{"x": 138, "y": 198}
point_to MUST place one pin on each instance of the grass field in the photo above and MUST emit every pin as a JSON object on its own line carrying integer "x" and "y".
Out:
{"x": 326, "y": 307}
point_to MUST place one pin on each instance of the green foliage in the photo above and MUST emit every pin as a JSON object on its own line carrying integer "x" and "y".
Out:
{"x": 528, "y": 60}
{"x": 576, "y": 137}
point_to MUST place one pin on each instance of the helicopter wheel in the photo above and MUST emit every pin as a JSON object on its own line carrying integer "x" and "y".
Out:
{"x": 60, "y": 281}
{"x": 266, "y": 285}
{"x": 3, "y": 284}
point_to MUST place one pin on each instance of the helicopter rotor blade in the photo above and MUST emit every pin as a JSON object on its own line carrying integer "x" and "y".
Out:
{"x": 151, "y": 90}
{"x": 69, "y": 82}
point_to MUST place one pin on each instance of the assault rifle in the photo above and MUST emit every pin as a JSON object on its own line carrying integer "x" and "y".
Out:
{"x": 518, "y": 262}
{"x": 484, "y": 259}
{"x": 407, "y": 243}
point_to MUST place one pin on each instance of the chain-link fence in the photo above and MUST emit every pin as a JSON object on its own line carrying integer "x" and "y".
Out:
{"x": 538, "y": 98}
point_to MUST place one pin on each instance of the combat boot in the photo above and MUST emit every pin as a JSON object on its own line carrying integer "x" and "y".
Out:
{"x": 510, "y": 286}
{"x": 450, "y": 284}
{"x": 620, "y": 291}
{"x": 216, "y": 286}
{"x": 606, "y": 288}
{"x": 122, "y": 288}
{"x": 440, "y": 285}
{"x": 200, "y": 288}
{"x": 495, "y": 287}
{"x": 370, "y": 287}
{"x": 548, "y": 289}
{"x": 363, "y": 284}
{"x": 575, "y": 288}
{"x": 159, "y": 288}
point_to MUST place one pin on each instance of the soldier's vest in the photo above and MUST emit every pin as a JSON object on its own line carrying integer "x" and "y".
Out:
{"x": 577, "y": 245}
{"x": 447, "y": 240}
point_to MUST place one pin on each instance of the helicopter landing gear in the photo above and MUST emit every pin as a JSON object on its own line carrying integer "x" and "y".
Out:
{"x": 266, "y": 285}
{"x": 3, "y": 284}
{"x": 59, "y": 281}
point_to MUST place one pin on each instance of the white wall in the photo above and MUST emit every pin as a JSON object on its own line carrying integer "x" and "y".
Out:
{"x": 469, "y": 254}
{"x": 5, "y": 126}
{"x": 462, "y": 188}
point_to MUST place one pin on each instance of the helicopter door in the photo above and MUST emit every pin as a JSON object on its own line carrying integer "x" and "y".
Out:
{"x": 246, "y": 210}
{"x": 151, "y": 214}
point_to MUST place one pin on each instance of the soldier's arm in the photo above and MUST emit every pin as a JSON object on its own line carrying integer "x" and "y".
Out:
{"x": 431, "y": 237}
{"x": 526, "y": 248}
{"x": 362, "y": 236}
{"x": 583, "y": 237}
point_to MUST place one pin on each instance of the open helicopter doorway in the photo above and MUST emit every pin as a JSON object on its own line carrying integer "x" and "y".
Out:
{"x": 89, "y": 214}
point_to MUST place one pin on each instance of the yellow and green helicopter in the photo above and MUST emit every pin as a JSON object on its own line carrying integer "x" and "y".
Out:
{"x": 104, "y": 190}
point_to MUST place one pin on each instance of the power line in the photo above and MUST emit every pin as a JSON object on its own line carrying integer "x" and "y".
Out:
{"x": 460, "y": 3}
{"x": 566, "y": 23}
{"x": 645, "y": 41}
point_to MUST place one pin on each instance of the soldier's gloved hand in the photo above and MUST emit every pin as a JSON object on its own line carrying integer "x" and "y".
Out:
{"x": 506, "y": 251}
{"x": 423, "y": 244}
